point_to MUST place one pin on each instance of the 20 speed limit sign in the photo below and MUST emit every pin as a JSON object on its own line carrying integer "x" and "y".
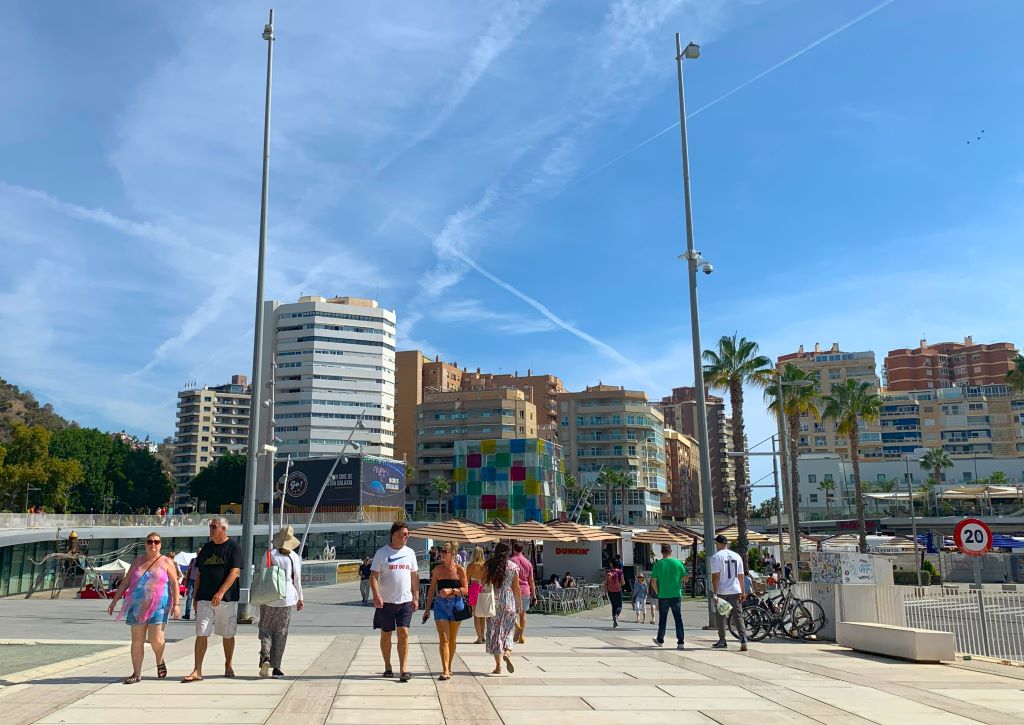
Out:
{"x": 973, "y": 537}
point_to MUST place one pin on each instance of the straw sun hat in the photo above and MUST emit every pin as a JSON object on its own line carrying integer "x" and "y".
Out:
{"x": 285, "y": 539}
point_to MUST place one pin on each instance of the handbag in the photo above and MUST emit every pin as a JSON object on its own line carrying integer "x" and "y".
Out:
{"x": 485, "y": 603}
{"x": 461, "y": 612}
{"x": 269, "y": 585}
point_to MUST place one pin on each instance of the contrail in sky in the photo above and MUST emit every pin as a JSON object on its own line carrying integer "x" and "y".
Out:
{"x": 845, "y": 26}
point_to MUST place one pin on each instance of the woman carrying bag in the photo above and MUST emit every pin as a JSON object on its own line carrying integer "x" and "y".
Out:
{"x": 447, "y": 596}
{"x": 276, "y": 615}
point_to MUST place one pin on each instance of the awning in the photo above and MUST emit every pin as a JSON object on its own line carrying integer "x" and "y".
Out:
{"x": 534, "y": 531}
{"x": 660, "y": 536}
{"x": 458, "y": 531}
{"x": 584, "y": 533}
{"x": 895, "y": 495}
{"x": 115, "y": 567}
{"x": 973, "y": 492}
{"x": 753, "y": 537}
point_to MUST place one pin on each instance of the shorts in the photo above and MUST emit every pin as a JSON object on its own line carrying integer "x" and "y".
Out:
{"x": 526, "y": 602}
{"x": 390, "y": 616}
{"x": 639, "y": 603}
{"x": 221, "y": 620}
{"x": 158, "y": 617}
{"x": 444, "y": 608}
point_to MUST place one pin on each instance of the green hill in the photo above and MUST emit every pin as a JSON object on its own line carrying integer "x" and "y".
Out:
{"x": 17, "y": 406}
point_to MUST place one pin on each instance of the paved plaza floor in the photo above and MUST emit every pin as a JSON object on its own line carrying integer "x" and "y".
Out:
{"x": 576, "y": 666}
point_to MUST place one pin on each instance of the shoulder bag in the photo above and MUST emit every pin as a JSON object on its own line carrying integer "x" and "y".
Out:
{"x": 269, "y": 585}
{"x": 485, "y": 603}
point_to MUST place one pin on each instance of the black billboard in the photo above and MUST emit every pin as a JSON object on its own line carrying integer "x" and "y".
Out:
{"x": 361, "y": 481}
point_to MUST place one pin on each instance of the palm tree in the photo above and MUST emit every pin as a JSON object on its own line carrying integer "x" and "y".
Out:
{"x": 625, "y": 481}
{"x": 608, "y": 477}
{"x": 998, "y": 478}
{"x": 442, "y": 487}
{"x": 828, "y": 487}
{"x": 848, "y": 405}
{"x": 1015, "y": 377}
{"x": 800, "y": 391}
{"x": 737, "y": 363}
{"x": 934, "y": 460}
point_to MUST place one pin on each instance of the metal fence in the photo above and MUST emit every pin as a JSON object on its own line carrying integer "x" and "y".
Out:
{"x": 9, "y": 521}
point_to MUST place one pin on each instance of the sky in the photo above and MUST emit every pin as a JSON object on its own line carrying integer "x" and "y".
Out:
{"x": 506, "y": 176}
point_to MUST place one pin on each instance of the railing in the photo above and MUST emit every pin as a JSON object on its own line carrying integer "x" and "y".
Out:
{"x": 985, "y": 622}
{"x": 10, "y": 521}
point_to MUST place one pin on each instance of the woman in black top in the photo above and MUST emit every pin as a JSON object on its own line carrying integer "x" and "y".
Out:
{"x": 448, "y": 589}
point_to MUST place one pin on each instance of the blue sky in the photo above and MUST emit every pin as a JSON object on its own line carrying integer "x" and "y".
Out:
{"x": 451, "y": 160}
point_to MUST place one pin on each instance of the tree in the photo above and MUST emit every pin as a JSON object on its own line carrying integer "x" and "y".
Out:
{"x": 848, "y": 405}
{"x": 734, "y": 364}
{"x": 800, "y": 391}
{"x": 222, "y": 482}
{"x": 1015, "y": 376}
{"x": 828, "y": 486}
{"x": 26, "y": 462}
{"x": 92, "y": 448}
{"x": 934, "y": 460}
{"x": 608, "y": 477}
{"x": 151, "y": 487}
{"x": 625, "y": 481}
{"x": 440, "y": 486}
{"x": 998, "y": 478}
{"x": 766, "y": 509}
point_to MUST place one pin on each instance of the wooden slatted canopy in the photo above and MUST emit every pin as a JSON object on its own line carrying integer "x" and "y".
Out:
{"x": 584, "y": 533}
{"x": 534, "y": 531}
{"x": 753, "y": 537}
{"x": 458, "y": 531}
{"x": 661, "y": 536}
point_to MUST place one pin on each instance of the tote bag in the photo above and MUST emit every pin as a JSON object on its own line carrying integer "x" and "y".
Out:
{"x": 485, "y": 603}
{"x": 269, "y": 585}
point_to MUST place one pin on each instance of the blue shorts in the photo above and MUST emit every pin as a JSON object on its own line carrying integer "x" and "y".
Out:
{"x": 444, "y": 608}
{"x": 392, "y": 615}
{"x": 158, "y": 617}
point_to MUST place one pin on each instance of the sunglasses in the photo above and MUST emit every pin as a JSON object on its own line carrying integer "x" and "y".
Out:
{"x": 155, "y": 542}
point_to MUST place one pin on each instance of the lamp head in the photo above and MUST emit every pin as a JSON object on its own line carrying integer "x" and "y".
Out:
{"x": 691, "y": 51}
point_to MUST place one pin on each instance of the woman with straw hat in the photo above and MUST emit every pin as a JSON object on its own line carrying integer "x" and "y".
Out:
{"x": 274, "y": 617}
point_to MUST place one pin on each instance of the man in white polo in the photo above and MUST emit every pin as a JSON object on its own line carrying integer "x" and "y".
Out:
{"x": 218, "y": 564}
{"x": 395, "y": 583}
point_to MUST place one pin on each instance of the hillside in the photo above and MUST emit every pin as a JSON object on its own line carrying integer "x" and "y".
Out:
{"x": 17, "y": 406}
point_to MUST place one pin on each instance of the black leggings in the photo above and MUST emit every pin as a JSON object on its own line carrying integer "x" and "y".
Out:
{"x": 616, "y": 599}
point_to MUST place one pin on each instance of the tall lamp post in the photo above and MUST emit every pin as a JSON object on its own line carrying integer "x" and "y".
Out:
{"x": 794, "y": 533}
{"x": 693, "y": 260}
{"x": 913, "y": 517}
{"x": 255, "y": 406}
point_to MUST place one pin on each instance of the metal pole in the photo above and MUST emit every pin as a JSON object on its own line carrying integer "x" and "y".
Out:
{"x": 707, "y": 499}
{"x": 778, "y": 499}
{"x": 794, "y": 533}
{"x": 913, "y": 519}
{"x": 252, "y": 464}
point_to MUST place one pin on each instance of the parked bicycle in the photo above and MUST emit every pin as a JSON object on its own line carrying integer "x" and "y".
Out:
{"x": 781, "y": 614}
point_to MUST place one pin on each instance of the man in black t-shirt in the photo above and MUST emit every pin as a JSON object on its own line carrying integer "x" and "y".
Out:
{"x": 364, "y": 580}
{"x": 218, "y": 564}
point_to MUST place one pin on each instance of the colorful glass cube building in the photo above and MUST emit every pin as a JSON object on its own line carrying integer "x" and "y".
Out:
{"x": 515, "y": 480}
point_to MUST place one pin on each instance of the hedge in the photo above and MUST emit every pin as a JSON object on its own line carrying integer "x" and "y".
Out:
{"x": 909, "y": 578}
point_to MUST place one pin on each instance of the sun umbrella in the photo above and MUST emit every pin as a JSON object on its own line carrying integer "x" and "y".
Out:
{"x": 584, "y": 533}
{"x": 534, "y": 531}
{"x": 458, "y": 531}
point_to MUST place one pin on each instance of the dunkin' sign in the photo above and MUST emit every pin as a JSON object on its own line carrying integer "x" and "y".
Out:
{"x": 582, "y": 559}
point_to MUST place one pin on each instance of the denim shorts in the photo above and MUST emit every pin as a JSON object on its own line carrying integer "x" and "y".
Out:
{"x": 444, "y": 608}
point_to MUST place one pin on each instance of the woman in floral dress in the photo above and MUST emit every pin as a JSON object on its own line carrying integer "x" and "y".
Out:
{"x": 503, "y": 576}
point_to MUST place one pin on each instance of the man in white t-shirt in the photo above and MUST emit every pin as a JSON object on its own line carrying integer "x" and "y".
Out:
{"x": 395, "y": 583}
{"x": 727, "y": 573}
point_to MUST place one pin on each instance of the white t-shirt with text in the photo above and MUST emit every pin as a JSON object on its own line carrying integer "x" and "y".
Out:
{"x": 729, "y": 567}
{"x": 394, "y": 569}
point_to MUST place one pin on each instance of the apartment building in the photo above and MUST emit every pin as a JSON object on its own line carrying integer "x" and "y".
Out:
{"x": 680, "y": 411}
{"x": 834, "y": 366}
{"x": 948, "y": 364}
{"x": 607, "y": 426}
{"x": 335, "y": 362}
{"x": 443, "y": 419}
{"x": 210, "y": 422}
{"x": 682, "y": 473}
{"x": 418, "y": 375}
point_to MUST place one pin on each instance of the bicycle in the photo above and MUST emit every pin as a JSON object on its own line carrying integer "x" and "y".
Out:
{"x": 782, "y": 614}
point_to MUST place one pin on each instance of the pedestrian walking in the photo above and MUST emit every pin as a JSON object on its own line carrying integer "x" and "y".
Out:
{"x": 364, "y": 580}
{"x": 727, "y": 576}
{"x": 476, "y": 572}
{"x": 150, "y": 592}
{"x": 613, "y": 581}
{"x": 395, "y": 583}
{"x": 640, "y": 598}
{"x": 447, "y": 596}
{"x": 527, "y": 588}
{"x": 502, "y": 575}
{"x": 190, "y": 586}
{"x": 667, "y": 579}
{"x": 217, "y": 592}
{"x": 276, "y": 616}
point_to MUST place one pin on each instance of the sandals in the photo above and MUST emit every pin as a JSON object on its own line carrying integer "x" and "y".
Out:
{"x": 508, "y": 665}
{"x": 131, "y": 680}
{"x": 442, "y": 678}
{"x": 229, "y": 672}
{"x": 405, "y": 677}
{"x": 192, "y": 678}
{"x": 388, "y": 673}
{"x": 161, "y": 670}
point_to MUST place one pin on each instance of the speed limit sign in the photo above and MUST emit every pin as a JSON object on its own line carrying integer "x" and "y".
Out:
{"x": 972, "y": 536}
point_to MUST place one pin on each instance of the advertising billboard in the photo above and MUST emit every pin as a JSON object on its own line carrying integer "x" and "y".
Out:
{"x": 360, "y": 481}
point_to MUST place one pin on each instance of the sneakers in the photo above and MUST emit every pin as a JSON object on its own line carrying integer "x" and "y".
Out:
{"x": 743, "y": 647}
{"x": 264, "y": 669}
{"x": 277, "y": 673}
{"x": 720, "y": 644}
{"x": 660, "y": 644}
{"x": 680, "y": 647}
{"x": 615, "y": 624}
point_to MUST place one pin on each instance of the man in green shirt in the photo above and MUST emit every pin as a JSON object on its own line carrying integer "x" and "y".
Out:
{"x": 667, "y": 579}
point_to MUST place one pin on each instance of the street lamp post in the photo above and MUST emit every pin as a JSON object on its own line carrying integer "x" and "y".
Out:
{"x": 794, "y": 533}
{"x": 29, "y": 487}
{"x": 693, "y": 259}
{"x": 913, "y": 518}
{"x": 256, "y": 388}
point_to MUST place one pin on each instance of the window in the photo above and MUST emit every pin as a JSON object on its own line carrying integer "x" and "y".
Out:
{"x": 813, "y": 498}
{"x": 812, "y": 478}
{"x": 966, "y": 476}
{"x": 819, "y": 441}
{"x": 828, "y": 478}
{"x": 880, "y": 478}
